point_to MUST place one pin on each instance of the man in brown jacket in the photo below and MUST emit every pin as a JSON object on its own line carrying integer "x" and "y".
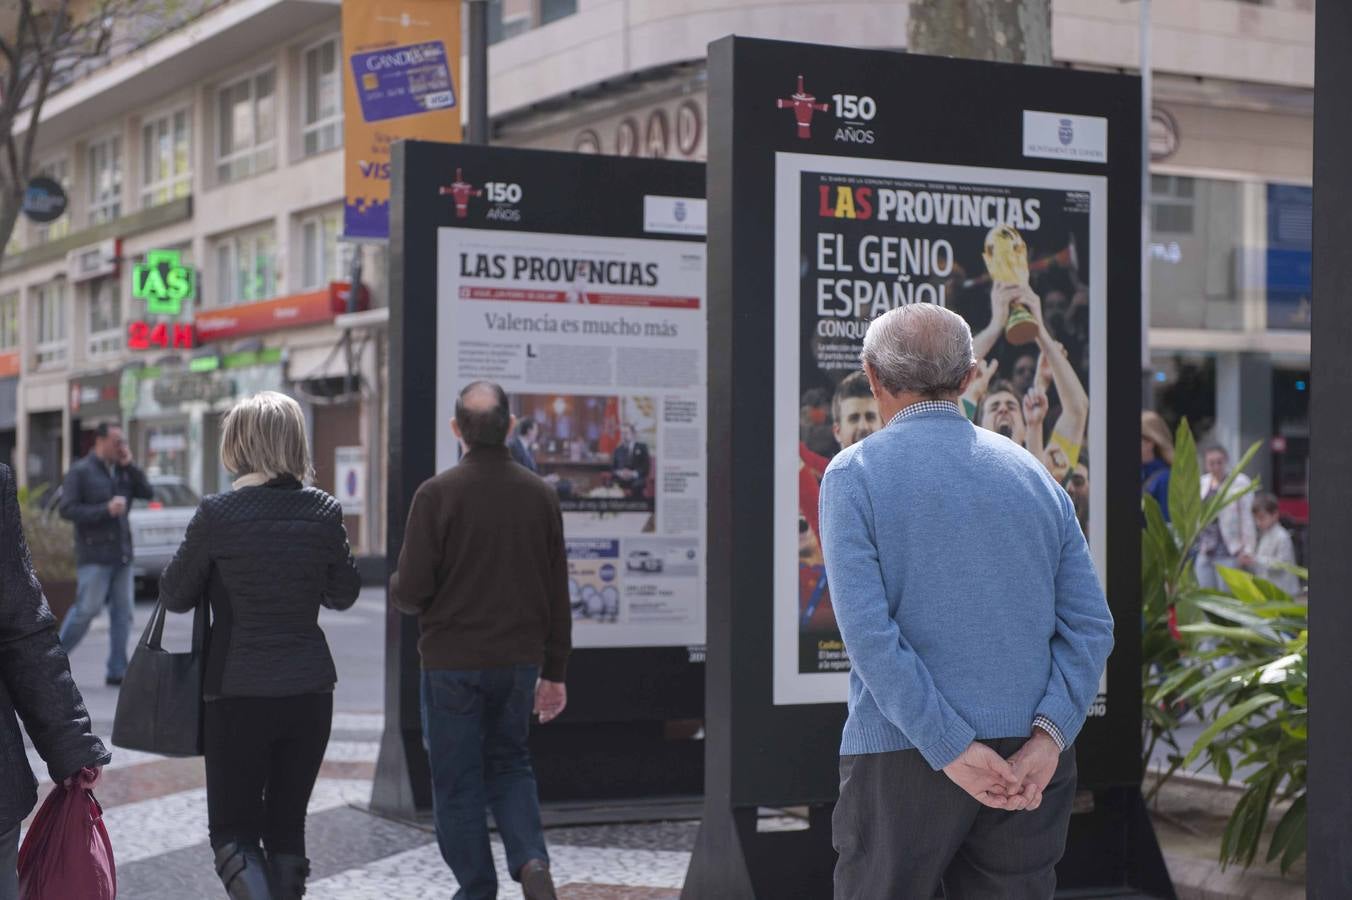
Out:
{"x": 484, "y": 568}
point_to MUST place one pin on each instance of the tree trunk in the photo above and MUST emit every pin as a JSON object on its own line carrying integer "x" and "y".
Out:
{"x": 1017, "y": 31}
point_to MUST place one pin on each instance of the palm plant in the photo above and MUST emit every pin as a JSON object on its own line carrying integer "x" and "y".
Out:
{"x": 1238, "y": 657}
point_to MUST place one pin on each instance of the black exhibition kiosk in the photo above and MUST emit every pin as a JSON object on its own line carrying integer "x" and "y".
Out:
{"x": 545, "y": 271}
{"x": 842, "y": 183}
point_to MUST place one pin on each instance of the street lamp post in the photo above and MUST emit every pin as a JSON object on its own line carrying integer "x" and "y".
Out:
{"x": 478, "y": 72}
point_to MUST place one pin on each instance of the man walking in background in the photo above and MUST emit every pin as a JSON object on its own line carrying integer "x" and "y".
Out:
{"x": 976, "y": 629}
{"x": 483, "y": 566}
{"x": 96, "y": 496}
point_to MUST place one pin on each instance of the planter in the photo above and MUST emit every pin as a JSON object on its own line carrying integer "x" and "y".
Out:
{"x": 60, "y": 596}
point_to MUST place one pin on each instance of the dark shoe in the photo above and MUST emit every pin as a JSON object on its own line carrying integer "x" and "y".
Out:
{"x": 113, "y": 681}
{"x": 536, "y": 883}
{"x": 243, "y": 871}
{"x": 288, "y": 875}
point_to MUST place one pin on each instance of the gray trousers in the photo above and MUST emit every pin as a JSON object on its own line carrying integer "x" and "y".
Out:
{"x": 903, "y": 831}
{"x": 9, "y": 864}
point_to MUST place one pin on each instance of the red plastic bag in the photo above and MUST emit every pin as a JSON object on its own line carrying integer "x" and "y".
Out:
{"x": 67, "y": 853}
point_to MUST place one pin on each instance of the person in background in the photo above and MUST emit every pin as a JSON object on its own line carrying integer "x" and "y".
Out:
{"x": 522, "y": 443}
{"x": 1077, "y": 486}
{"x": 35, "y": 684}
{"x": 1232, "y": 537}
{"x": 485, "y": 569}
{"x": 1157, "y": 456}
{"x": 631, "y": 464}
{"x": 854, "y": 411}
{"x": 1274, "y": 546}
{"x": 97, "y": 496}
{"x": 266, "y": 555}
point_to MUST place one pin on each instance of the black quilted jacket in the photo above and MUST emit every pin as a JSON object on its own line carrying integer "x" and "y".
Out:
{"x": 35, "y": 678}
{"x": 267, "y": 558}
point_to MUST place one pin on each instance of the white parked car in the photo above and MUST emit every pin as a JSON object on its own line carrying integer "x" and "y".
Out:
{"x": 159, "y": 524}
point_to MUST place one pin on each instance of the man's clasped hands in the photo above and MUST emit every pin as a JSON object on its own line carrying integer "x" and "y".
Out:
{"x": 1011, "y": 784}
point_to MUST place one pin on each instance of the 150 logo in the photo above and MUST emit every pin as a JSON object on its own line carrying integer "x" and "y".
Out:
{"x": 502, "y": 195}
{"x": 854, "y": 112}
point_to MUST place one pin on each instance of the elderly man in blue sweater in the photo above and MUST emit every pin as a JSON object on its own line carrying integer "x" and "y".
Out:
{"x": 976, "y": 628}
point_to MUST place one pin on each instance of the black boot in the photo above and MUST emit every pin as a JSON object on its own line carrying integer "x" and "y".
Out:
{"x": 288, "y": 875}
{"x": 243, "y": 871}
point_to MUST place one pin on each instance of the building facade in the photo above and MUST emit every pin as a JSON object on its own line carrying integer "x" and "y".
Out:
{"x": 218, "y": 148}
{"x": 1231, "y": 144}
{"x": 199, "y": 260}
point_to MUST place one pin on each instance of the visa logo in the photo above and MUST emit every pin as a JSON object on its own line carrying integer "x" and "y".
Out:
{"x": 379, "y": 170}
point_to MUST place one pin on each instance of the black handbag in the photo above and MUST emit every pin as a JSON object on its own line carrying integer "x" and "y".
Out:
{"x": 159, "y": 709}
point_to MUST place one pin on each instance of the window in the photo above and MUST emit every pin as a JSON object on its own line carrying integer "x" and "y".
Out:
{"x": 105, "y": 317}
{"x": 323, "y": 100}
{"x": 59, "y": 171}
{"x": 246, "y": 267}
{"x": 166, "y": 159}
{"x": 1172, "y": 204}
{"x": 324, "y": 258}
{"x": 105, "y": 180}
{"x": 9, "y": 321}
{"x": 49, "y": 311}
{"x": 246, "y": 138}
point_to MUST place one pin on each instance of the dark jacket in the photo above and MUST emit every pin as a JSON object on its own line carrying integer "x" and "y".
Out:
{"x": 1155, "y": 482}
{"x": 522, "y": 454}
{"x": 267, "y": 558}
{"x": 484, "y": 568}
{"x": 637, "y": 458}
{"x": 35, "y": 678}
{"x": 101, "y": 538}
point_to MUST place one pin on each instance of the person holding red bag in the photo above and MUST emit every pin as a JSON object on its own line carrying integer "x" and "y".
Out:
{"x": 35, "y": 684}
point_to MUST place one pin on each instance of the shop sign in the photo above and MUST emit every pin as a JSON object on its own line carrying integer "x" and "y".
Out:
{"x": 44, "y": 200}
{"x": 286, "y": 312}
{"x": 349, "y": 479}
{"x": 191, "y": 387}
{"x": 671, "y": 131}
{"x": 97, "y": 395}
{"x": 94, "y": 261}
{"x": 160, "y": 336}
{"x": 164, "y": 283}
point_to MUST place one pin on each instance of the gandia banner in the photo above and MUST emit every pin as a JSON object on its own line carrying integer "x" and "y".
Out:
{"x": 400, "y": 59}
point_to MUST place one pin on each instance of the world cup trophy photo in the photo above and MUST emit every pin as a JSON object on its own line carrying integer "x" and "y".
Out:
{"x": 1006, "y": 257}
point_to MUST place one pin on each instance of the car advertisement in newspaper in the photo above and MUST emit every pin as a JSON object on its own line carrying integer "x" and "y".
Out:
{"x": 1018, "y": 254}
{"x": 600, "y": 345}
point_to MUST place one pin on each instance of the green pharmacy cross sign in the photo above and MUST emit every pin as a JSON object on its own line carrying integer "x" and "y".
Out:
{"x": 164, "y": 283}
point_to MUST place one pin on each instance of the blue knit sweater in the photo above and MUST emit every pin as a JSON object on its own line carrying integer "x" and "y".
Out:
{"x": 963, "y": 587}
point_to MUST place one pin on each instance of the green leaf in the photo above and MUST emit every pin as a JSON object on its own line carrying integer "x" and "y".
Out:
{"x": 1231, "y": 633}
{"x": 1231, "y": 717}
{"x": 1238, "y": 613}
{"x": 1238, "y": 677}
{"x": 1185, "y": 486}
{"x": 1241, "y": 584}
{"x": 1292, "y": 821}
{"x": 1223, "y": 767}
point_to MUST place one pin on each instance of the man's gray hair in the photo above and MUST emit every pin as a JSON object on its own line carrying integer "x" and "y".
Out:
{"x": 919, "y": 349}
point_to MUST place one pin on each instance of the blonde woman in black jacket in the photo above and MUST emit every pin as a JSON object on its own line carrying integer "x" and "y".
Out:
{"x": 267, "y": 555}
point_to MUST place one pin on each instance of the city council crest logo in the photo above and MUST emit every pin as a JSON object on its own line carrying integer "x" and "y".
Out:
{"x": 1066, "y": 132}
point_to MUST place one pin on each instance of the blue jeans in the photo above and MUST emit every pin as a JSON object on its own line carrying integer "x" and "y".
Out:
{"x": 97, "y": 586}
{"x": 475, "y": 725}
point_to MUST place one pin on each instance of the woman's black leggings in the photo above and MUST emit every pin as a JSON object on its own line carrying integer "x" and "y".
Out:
{"x": 263, "y": 755}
